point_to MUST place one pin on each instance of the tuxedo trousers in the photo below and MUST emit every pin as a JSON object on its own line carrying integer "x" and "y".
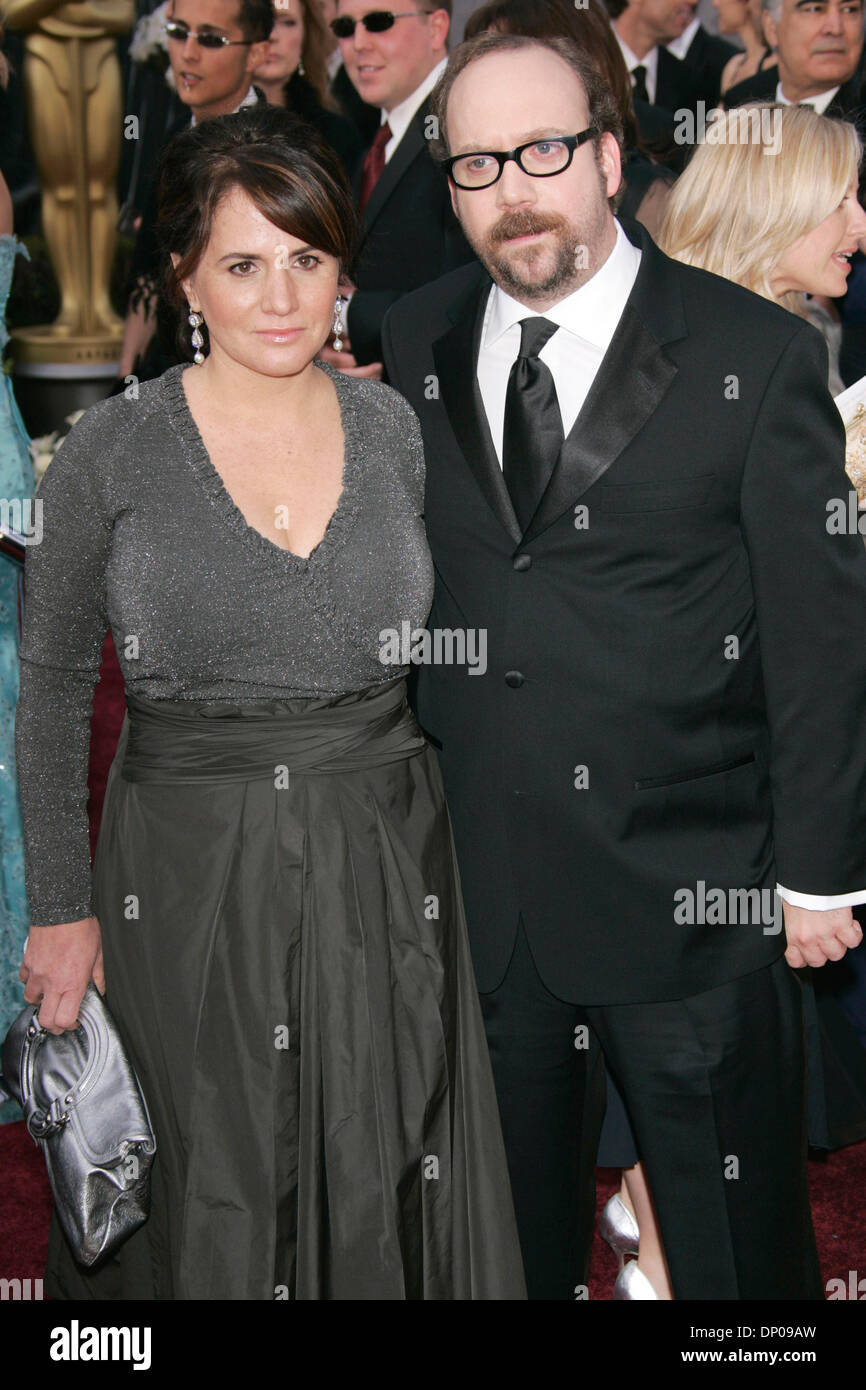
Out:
{"x": 714, "y": 1086}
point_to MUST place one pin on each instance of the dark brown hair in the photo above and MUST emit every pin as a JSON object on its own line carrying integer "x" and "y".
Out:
{"x": 604, "y": 111}
{"x": 314, "y": 52}
{"x": 283, "y": 164}
{"x": 256, "y": 19}
{"x": 589, "y": 27}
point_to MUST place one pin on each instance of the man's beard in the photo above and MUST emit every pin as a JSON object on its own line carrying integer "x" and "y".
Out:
{"x": 519, "y": 274}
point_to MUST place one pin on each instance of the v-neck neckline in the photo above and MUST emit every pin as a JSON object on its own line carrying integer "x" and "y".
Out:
{"x": 208, "y": 475}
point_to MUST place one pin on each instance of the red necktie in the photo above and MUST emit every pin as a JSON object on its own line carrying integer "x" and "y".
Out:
{"x": 374, "y": 163}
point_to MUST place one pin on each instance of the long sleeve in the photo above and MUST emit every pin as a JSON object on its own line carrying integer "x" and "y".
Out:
{"x": 810, "y": 593}
{"x": 64, "y": 627}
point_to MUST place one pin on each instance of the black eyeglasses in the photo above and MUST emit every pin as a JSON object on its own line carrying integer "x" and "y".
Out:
{"x": 540, "y": 158}
{"x": 181, "y": 32}
{"x": 376, "y": 22}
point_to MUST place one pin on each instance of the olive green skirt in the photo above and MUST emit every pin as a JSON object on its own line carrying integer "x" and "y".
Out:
{"x": 287, "y": 960}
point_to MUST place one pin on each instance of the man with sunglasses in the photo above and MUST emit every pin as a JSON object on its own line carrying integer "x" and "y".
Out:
{"x": 214, "y": 46}
{"x": 409, "y": 232}
{"x": 629, "y": 463}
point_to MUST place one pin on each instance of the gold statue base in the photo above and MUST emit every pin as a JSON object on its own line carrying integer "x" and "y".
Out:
{"x": 43, "y": 344}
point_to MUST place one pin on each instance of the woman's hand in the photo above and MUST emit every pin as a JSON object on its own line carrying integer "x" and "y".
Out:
{"x": 58, "y": 964}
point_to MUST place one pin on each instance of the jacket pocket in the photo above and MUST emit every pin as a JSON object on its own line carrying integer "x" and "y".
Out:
{"x": 652, "y": 497}
{"x": 694, "y": 774}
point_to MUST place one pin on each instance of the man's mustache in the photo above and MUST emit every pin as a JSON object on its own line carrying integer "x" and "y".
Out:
{"x": 514, "y": 224}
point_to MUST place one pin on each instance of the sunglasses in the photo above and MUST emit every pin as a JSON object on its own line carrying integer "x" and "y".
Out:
{"x": 376, "y": 22}
{"x": 181, "y": 32}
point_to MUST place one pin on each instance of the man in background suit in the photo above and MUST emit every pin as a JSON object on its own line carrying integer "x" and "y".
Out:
{"x": 629, "y": 463}
{"x": 819, "y": 47}
{"x": 706, "y": 54}
{"x": 642, "y": 28}
{"x": 409, "y": 234}
{"x": 364, "y": 116}
{"x": 820, "y": 52}
{"x": 209, "y": 82}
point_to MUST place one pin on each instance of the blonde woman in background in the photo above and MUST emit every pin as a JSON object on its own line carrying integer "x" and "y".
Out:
{"x": 779, "y": 216}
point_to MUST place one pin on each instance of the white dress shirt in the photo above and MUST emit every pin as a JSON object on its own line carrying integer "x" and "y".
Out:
{"x": 818, "y": 103}
{"x": 650, "y": 62}
{"x": 400, "y": 118}
{"x": 680, "y": 47}
{"x": 587, "y": 321}
{"x": 249, "y": 100}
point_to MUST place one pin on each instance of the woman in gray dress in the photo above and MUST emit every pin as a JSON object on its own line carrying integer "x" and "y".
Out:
{"x": 274, "y": 911}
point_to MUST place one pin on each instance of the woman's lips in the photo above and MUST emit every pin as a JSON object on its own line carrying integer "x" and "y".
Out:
{"x": 279, "y": 335}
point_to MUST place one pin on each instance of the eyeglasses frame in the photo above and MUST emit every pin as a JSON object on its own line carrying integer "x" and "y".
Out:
{"x": 571, "y": 142}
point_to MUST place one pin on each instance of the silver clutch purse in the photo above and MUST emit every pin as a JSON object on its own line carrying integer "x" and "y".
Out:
{"x": 84, "y": 1107}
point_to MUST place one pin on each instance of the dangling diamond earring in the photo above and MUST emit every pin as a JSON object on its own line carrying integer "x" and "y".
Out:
{"x": 339, "y": 327}
{"x": 195, "y": 320}
{"x": 301, "y": 68}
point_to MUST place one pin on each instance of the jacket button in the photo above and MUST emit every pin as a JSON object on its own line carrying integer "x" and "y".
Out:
{"x": 514, "y": 679}
{"x": 522, "y": 562}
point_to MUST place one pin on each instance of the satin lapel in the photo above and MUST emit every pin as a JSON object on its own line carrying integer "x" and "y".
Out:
{"x": 456, "y": 355}
{"x": 634, "y": 376}
{"x": 412, "y": 144}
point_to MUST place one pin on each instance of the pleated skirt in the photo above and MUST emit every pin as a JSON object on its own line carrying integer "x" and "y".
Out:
{"x": 287, "y": 960}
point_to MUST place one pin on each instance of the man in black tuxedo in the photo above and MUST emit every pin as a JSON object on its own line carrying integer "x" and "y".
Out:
{"x": 409, "y": 232}
{"x": 705, "y": 54}
{"x": 629, "y": 463}
{"x": 642, "y": 28}
{"x": 819, "y": 47}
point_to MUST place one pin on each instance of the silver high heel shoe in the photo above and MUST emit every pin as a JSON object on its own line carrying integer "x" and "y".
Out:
{"x": 631, "y": 1282}
{"x": 618, "y": 1227}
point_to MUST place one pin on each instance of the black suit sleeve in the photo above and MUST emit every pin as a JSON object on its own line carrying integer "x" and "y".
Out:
{"x": 810, "y": 597}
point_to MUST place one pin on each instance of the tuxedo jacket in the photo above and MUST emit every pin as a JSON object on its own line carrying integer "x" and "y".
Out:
{"x": 365, "y": 118}
{"x": 409, "y": 236}
{"x": 678, "y": 86}
{"x": 707, "y": 56}
{"x": 671, "y": 695}
{"x": 847, "y": 103}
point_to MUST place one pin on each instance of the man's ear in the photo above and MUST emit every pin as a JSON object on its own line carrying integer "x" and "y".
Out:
{"x": 610, "y": 162}
{"x": 771, "y": 33}
{"x": 452, "y": 189}
{"x": 440, "y": 23}
{"x": 258, "y": 52}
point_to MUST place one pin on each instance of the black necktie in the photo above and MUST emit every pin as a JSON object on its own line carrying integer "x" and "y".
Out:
{"x": 533, "y": 434}
{"x": 639, "y": 88}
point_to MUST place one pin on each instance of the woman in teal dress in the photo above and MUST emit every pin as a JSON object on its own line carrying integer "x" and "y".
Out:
{"x": 16, "y": 481}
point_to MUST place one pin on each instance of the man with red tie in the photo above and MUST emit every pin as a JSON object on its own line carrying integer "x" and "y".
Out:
{"x": 409, "y": 232}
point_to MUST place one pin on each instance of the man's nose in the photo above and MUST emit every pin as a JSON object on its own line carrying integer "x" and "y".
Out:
{"x": 515, "y": 185}
{"x": 190, "y": 47}
{"x": 360, "y": 40}
{"x": 832, "y": 20}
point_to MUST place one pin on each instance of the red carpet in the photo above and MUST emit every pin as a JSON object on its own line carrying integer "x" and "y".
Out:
{"x": 837, "y": 1184}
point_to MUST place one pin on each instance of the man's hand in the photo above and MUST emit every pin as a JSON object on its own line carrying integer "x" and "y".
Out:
{"x": 816, "y": 937}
